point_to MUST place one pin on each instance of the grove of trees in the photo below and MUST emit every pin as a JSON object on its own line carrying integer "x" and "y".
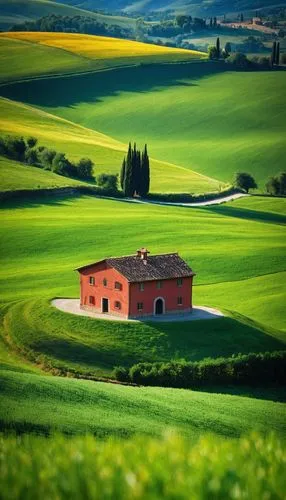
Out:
{"x": 135, "y": 172}
{"x": 25, "y": 151}
{"x": 276, "y": 185}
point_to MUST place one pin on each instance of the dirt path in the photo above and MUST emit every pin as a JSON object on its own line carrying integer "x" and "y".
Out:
{"x": 217, "y": 201}
{"x": 72, "y": 306}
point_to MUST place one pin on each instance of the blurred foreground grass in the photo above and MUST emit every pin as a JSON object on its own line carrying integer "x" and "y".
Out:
{"x": 251, "y": 467}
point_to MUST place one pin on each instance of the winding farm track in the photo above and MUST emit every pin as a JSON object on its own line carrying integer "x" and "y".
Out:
{"x": 216, "y": 201}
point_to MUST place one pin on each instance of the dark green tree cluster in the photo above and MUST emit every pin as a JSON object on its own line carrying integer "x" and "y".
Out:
{"x": 73, "y": 24}
{"x": 276, "y": 185}
{"x": 275, "y": 55}
{"x": 135, "y": 172}
{"x": 244, "y": 181}
{"x": 25, "y": 151}
{"x": 214, "y": 50}
{"x": 250, "y": 369}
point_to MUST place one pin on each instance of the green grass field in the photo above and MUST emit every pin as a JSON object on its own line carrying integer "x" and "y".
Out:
{"x": 27, "y": 54}
{"x": 77, "y": 406}
{"x": 77, "y": 141}
{"x": 199, "y": 121}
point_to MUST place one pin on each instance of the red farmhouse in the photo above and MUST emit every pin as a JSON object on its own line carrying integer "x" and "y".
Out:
{"x": 137, "y": 285}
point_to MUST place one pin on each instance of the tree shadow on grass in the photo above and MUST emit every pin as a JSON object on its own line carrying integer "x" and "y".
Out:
{"x": 246, "y": 213}
{"x": 92, "y": 88}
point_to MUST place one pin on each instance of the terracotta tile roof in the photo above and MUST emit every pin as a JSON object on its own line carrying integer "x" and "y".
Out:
{"x": 156, "y": 267}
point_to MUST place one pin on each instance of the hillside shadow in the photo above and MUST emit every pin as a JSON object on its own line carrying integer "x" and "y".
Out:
{"x": 221, "y": 337}
{"x": 92, "y": 88}
{"x": 248, "y": 214}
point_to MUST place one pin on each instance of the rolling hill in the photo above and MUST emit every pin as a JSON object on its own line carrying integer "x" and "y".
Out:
{"x": 19, "y": 11}
{"x": 199, "y": 121}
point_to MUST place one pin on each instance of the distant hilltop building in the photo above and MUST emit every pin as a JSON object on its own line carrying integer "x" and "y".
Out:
{"x": 257, "y": 20}
{"x": 137, "y": 285}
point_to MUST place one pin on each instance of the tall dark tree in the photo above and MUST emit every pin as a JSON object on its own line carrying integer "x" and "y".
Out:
{"x": 211, "y": 22}
{"x": 128, "y": 187}
{"x": 145, "y": 173}
{"x": 122, "y": 173}
{"x": 277, "y": 55}
{"x": 218, "y": 47}
{"x": 241, "y": 18}
{"x": 273, "y": 54}
{"x": 214, "y": 22}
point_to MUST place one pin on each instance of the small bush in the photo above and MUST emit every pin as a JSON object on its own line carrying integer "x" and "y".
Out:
{"x": 84, "y": 169}
{"x": 108, "y": 182}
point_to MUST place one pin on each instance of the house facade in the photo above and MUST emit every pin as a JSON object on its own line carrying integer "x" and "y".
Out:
{"x": 137, "y": 286}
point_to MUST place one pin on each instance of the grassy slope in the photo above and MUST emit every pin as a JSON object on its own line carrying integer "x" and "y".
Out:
{"x": 199, "y": 121}
{"x": 95, "y": 346}
{"x": 104, "y": 409}
{"x": 53, "y": 53}
{"x": 19, "y": 11}
{"x": 14, "y": 175}
{"x": 78, "y": 141}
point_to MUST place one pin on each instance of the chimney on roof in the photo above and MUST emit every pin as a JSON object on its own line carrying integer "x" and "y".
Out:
{"x": 142, "y": 253}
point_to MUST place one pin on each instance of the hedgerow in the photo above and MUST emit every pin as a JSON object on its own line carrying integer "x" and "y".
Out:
{"x": 246, "y": 369}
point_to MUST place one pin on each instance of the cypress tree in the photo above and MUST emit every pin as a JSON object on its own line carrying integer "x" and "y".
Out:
{"x": 145, "y": 173}
{"x": 128, "y": 187}
{"x": 277, "y": 56}
{"x": 218, "y": 47}
{"x": 211, "y": 22}
{"x": 122, "y": 173}
{"x": 273, "y": 55}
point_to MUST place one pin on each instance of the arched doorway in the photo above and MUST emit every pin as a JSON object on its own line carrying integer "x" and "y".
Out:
{"x": 159, "y": 306}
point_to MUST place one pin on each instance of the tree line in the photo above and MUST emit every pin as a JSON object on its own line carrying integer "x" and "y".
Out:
{"x": 275, "y": 185}
{"x": 25, "y": 151}
{"x": 240, "y": 60}
{"x": 73, "y": 24}
{"x": 244, "y": 369}
{"x": 135, "y": 172}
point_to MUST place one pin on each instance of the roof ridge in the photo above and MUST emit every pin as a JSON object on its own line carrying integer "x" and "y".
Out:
{"x": 134, "y": 255}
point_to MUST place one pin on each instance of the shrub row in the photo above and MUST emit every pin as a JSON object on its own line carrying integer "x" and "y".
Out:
{"x": 245, "y": 369}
